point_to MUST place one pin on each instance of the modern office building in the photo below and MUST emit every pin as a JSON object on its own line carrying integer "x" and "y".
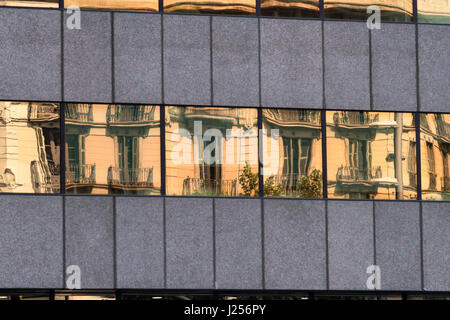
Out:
{"x": 253, "y": 147}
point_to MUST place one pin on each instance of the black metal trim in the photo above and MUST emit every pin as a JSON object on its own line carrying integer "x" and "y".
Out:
{"x": 323, "y": 118}
{"x": 162, "y": 128}
{"x": 260, "y": 157}
{"x": 418, "y": 156}
{"x": 62, "y": 149}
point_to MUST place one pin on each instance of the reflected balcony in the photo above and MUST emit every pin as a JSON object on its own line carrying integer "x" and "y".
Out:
{"x": 38, "y": 112}
{"x": 130, "y": 115}
{"x": 80, "y": 174}
{"x": 353, "y": 118}
{"x": 79, "y": 113}
{"x": 196, "y": 186}
{"x": 130, "y": 178}
{"x": 355, "y": 174}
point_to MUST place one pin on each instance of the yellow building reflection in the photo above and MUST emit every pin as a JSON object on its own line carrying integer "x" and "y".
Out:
{"x": 433, "y": 11}
{"x": 390, "y": 10}
{"x": 112, "y": 149}
{"x": 292, "y": 158}
{"x": 371, "y": 155}
{"x": 29, "y": 147}
{"x": 288, "y": 8}
{"x": 31, "y": 3}
{"x": 241, "y": 7}
{"x": 129, "y": 5}
{"x": 211, "y": 151}
{"x": 435, "y": 150}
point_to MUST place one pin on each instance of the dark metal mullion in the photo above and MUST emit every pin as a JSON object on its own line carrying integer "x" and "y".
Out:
{"x": 415, "y": 18}
{"x": 161, "y": 5}
{"x": 61, "y": 4}
{"x": 162, "y": 116}
{"x": 258, "y": 8}
{"x": 321, "y": 9}
{"x": 324, "y": 153}
{"x": 62, "y": 148}
{"x": 418, "y": 156}
{"x": 260, "y": 153}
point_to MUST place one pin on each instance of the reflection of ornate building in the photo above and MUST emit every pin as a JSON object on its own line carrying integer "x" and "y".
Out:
{"x": 29, "y": 147}
{"x": 218, "y": 134}
{"x": 435, "y": 149}
{"x": 299, "y": 146}
{"x": 379, "y": 159}
{"x": 242, "y": 7}
{"x": 112, "y": 149}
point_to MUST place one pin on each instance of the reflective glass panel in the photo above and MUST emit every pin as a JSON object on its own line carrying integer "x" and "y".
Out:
{"x": 112, "y": 149}
{"x": 211, "y": 151}
{"x": 435, "y": 159}
{"x": 29, "y": 147}
{"x": 241, "y": 7}
{"x": 433, "y": 11}
{"x": 292, "y": 144}
{"x": 290, "y": 8}
{"x": 371, "y": 155}
{"x": 128, "y": 5}
{"x": 30, "y": 3}
{"x": 390, "y": 10}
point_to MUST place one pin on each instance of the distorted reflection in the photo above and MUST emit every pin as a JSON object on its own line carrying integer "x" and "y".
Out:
{"x": 435, "y": 150}
{"x": 433, "y": 11}
{"x": 290, "y": 8}
{"x": 240, "y": 7}
{"x": 133, "y": 5}
{"x": 292, "y": 153}
{"x": 211, "y": 151}
{"x": 29, "y": 147}
{"x": 112, "y": 149}
{"x": 371, "y": 155}
{"x": 390, "y": 10}
{"x": 28, "y": 3}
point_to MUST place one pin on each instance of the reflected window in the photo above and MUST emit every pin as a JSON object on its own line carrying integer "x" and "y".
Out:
{"x": 134, "y": 5}
{"x": 28, "y": 3}
{"x": 112, "y": 149}
{"x": 391, "y": 10}
{"x": 435, "y": 149}
{"x": 211, "y": 151}
{"x": 292, "y": 144}
{"x": 241, "y": 7}
{"x": 288, "y": 8}
{"x": 433, "y": 11}
{"x": 29, "y": 147}
{"x": 371, "y": 155}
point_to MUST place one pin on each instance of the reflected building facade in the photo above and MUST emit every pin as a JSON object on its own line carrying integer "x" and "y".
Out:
{"x": 292, "y": 160}
{"x": 241, "y": 7}
{"x": 433, "y": 11}
{"x": 211, "y": 151}
{"x": 435, "y": 150}
{"x": 287, "y": 8}
{"x": 112, "y": 149}
{"x": 371, "y": 155}
{"x": 390, "y": 10}
{"x": 29, "y": 147}
{"x": 133, "y": 5}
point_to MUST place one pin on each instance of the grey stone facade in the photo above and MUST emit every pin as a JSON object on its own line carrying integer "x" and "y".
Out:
{"x": 205, "y": 243}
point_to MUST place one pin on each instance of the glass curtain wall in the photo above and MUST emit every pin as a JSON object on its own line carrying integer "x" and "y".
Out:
{"x": 211, "y": 151}
{"x": 435, "y": 159}
{"x": 292, "y": 144}
{"x": 371, "y": 155}
{"x": 112, "y": 149}
{"x": 29, "y": 147}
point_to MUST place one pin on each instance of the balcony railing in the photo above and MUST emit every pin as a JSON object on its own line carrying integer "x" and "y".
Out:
{"x": 443, "y": 128}
{"x": 79, "y": 112}
{"x": 287, "y": 181}
{"x": 358, "y": 174}
{"x": 84, "y": 174}
{"x": 193, "y": 186}
{"x": 129, "y": 114}
{"x": 136, "y": 177}
{"x": 295, "y": 116}
{"x": 43, "y": 112}
{"x": 354, "y": 118}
